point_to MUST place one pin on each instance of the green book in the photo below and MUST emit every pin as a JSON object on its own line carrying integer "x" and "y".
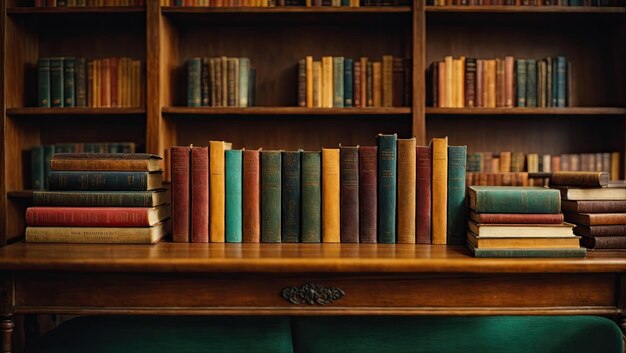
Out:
{"x": 69, "y": 68}
{"x": 244, "y": 76}
{"x": 514, "y": 199}
{"x": 37, "y": 175}
{"x": 457, "y": 157}
{"x": 290, "y": 197}
{"x": 48, "y": 151}
{"x": 387, "y": 174}
{"x": 520, "y": 77}
{"x": 311, "y": 197}
{"x": 56, "y": 82}
{"x": 338, "y": 73}
{"x": 270, "y": 196}
{"x": 531, "y": 83}
{"x": 194, "y": 69}
{"x": 43, "y": 75}
{"x": 234, "y": 196}
{"x": 80, "y": 82}
{"x": 573, "y": 252}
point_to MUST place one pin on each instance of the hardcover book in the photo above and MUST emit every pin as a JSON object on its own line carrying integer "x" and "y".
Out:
{"x": 407, "y": 179}
{"x": 387, "y": 174}
{"x": 270, "y": 196}
{"x": 330, "y": 196}
{"x": 311, "y": 197}
{"x": 349, "y": 194}
{"x": 290, "y": 197}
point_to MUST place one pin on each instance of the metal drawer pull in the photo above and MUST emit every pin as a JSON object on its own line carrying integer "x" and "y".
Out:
{"x": 312, "y": 294}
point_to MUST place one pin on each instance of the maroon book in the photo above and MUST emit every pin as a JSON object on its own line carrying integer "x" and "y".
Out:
{"x": 95, "y": 216}
{"x": 251, "y": 196}
{"x": 398, "y": 82}
{"x": 199, "y": 194}
{"x": 357, "y": 84}
{"x": 516, "y": 218}
{"x": 349, "y": 194}
{"x": 180, "y": 193}
{"x": 423, "y": 193}
{"x": 368, "y": 162}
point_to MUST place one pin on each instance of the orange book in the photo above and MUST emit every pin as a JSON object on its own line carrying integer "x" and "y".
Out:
{"x": 377, "y": 89}
{"x": 114, "y": 63}
{"x": 407, "y": 178}
{"x": 491, "y": 83}
{"x": 105, "y": 85}
{"x": 387, "y": 78}
{"x": 364, "y": 82}
{"x": 120, "y": 82}
{"x": 449, "y": 80}
{"x": 90, "y": 83}
{"x": 327, "y": 82}
{"x": 309, "y": 81}
{"x": 460, "y": 82}
{"x": 439, "y": 190}
{"x": 97, "y": 83}
{"x": 330, "y": 196}
{"x": 217, "y": 191}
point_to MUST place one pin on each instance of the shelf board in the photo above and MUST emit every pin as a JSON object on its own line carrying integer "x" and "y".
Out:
{"x": 286, "y": 10}
{"x": 286, "y": 111}
{"x": 528, "y": 111}
{"x": 74, "y": 111}
{"x": 18, "y": 11}
{"x": 20, "y": 194}
{"x": 528, "y": 9}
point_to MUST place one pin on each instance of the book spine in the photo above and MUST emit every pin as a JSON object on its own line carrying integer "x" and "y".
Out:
{"x": 615, "y": 166}
{"x": 205, "y": 92}
{"x": 99, "y": 165}
{"x": 470, "y": 82}
{"x": 43, "y": 74}
{"x": 48, "y": 151}
{"x": 456, "y": 194}
{"x": 87, "y": 217}
{"x": 95, "y": 199}
{"x": 368, "y": 204}
{"x": 369, "y": 85}
{"x": 199, "y": 195}
{"x": 37, "y": 176}
{"x": 317, "y": 84}
{"x": 234, "y": 196}
{"x": 504, "y": 218}
{"x": 270, "y": 196}
{"x": 449, "y": 83}
{"x": 215, "y": 66}
{"x": 561, "y": 66}
{"x": 610, "y": 242}
{"x": 330, "y": 196}
{"x": 387, "y": 174}
{"x": 180, "y": 157}
{"x": 217, "y": 188}
{"x": 555, "y": 82}
{"x": 232, "y": 84}
{"x": 224, "y": 81}
{"x": 56, "y": 82}
{"x": 327, "y": 82}
{"x": 251, "y": 196}
{"x": 252, "y": 88}
{"x": 480, "y": 71}
{"x": 338, "y": 83}
{"x": 348, "y": 83}
{"x": 531, "y": 83}
{"x": 290, "y": 197}
{"x": 311, "y": 197}
{"x": 407, "y": 178}
{"x": 500, "y": 83}
{"x": 439, "y": 190}
{"x": 387, "y": 78}
{"x": 441, "y": 84}
{"x": 583, "y": 179}
{"x": 596, "y": 219}
{"x": 302, "y": 83}
{"x": 377, "y": 84}
{"x": 115, "y": 78}
{"x": 71, "y": 180}
{"x": 600, "y": 230}
{"x": 309, "y": 81}
{"x": 357, "y": 84}
{"x": 459, "y": 81}
{"x": 81, "y": 82}
{"x": 194, "y": 67}
{"x": 105, "y": 83}
{"x": 520, "y": 76}
{"x": 491, "y": 83}
{"x": 575, "y": 252}
{"x": 519, "y": 201}
{"x": 423, "y": 204}
{"x": 398, "y": 84}
{"x": 349, "y": 194}
{"x": 364, "y": 88}
{"x": 509, "y": 81}
{"x": 87, "y": 235}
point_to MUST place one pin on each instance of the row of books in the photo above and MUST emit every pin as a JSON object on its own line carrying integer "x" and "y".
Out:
{"x": 279, "y": 3}
{"x": 507, "y": 161}
{"x": 41, "y": 155}
{"x": 344, "y": 82}
{"x": 220, "y": 82}
{"x": 508, "y": 82}
{"x": 98, "y": 83}
{"x": 394, "y": 192}
{"x": 527, "y": 2}
{"x": 89, "y": 3}
{"x": 92, "y": 178}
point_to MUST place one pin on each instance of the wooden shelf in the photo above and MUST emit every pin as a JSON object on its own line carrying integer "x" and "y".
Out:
{"x": 20, "y": 194}
{"x": 527, "y": 9}
{"x": 404, "y": 111}
{"x": 19, "y": 11}
{"x": 74, "y": 111}
{"x": 619, "y": 112}
{"x": 287, "y": 10}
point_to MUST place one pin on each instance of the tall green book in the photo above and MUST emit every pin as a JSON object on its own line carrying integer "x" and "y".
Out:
{"x": 514, "y": 199}
{"x": 290, "y": 197}
{"x": 234, "y": 196}
{"x": 338, "y": 84}
{"x": 311, "y": 197}
{"x": 194, "y": 71}
{"x": 37, "y": 175}
{"x": 43, "y": 88}
{"x": 520, "y": 77}
{"x": 56, "y": 82}
{"x": 270, "y": 196}
{"x": 457, "y": 157}
{"x": 69, "y": 69}
{"x": 531, "y": 83}
{"x": 387, "y": 176}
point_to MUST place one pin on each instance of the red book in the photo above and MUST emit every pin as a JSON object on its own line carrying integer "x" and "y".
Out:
{"x": 95, "y": 216}
{"x": 349, "y": 194}
{"x": 251, "y": 196}
{"x": 368, "y": 163}
{"x": 514, "y": 218}
{"x": 113, "y": 64}
{"x": 180, "y": 193}
{"x": 199, "y": 194}
{"x": 423, "y": 193}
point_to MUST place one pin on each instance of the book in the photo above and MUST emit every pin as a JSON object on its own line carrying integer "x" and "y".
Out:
{"x": 244, "y": 83}
{"x": 439, "y": 148}
{"x": 43, "y": 84}
{"x": 302, "y": 83}
{"x": 600, "y": 230}
{"x": 387, "y": 187}
{"x": 561, "y": 83}
{"x": 270, "y": 196}
{"x": 531, "y": 83}
{"x": 456, "y": 194}
{"x": 592, "y": 219}
{"x": 377, "y": 84}
{"x": 96, "y": 216}
{"x": 89, "y": 180}
{"x": 56, "y": 82}
{"x": 251, "y": 196}
{"x": 516, "y": 218}
{"x": 423, "y": 195}
{"x": 609, "y": 193}
{"x": 338, "y": 83}
{"x": 521, "y": 230}
{"x": 102, "y": 198}
{"x": 48, "y": 152}
{"x": 317, "y": 84}
{"x": 511, "y": 199}
{"x": 117, "y": 235}
{"x": 348, "y": 83}
{"x": 368, "y": 189}
{"x": 181, "y": 203}
{"x": 130, "y": 162}
{"x": 290, "y": 196}
{"x": 369, "y": 84}
{"x": 205, "y": 81}
{"x": 582, "y": 179}
{"x": 406, "y": 184}
{"x": 520, "y": 74}
{"x": 614, "y": 206}
{"x": 608, "y": 242}
{"x": 233, "y": 160}
{"x": 330, "y": 196}
{"x": 37, "y": 175}
{"x": 311, "y": 197}
{"x": 81, "y": 82}
{"x": 199, "y": 185}
{"x": 470, "y": 82}
{"x": 563, "y": 252}
{"x": 522, "y": 243}
{"x": 217, "y": 198}
{"x": 327, "y": 82}
{"x": 349, "y": 193}
{"x": 387, "y": 81}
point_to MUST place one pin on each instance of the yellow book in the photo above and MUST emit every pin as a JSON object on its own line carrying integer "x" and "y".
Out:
{"x": 327, "y": 82}
{"x": 94, "y": 235}
{"x": 615, "y": 166}
{"x": 217, "y": 191}
{"x": 317, "y": 84}
{"x": 330, "y": 195}
{"x": 448, "y": 88}
{"x": 363, "y": 82}
{"x": 309, "y": 81}
{"x": 377, "y": 89}
{"x": 460, "y": 83}
{"x": 407, "y": 149}
{"x": 455, "y": 83}
{"x": 439, "y": 189}
{"x": 387, "y": 81}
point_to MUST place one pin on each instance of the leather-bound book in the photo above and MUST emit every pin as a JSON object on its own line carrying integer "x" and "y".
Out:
{"x": 349, "y": 194}
{"x": 407, "y": 176}
{"x": 500, "y": 83}
{"x": 317, "y": 84}
{"x": 377, "y": 84}
{"x": 270, "y": 196}
{"x": 364, "y": 88}
{"x": 309, "y": 81}
{"x": 470, "y": 82}
{"x": 369, "y": 83}
{"x": 480, "y": 80}
{"x": 205, "y": 80}
{"x": 449, "y": 79}
{"x": 509, "y": 81}
{"x": 607, "y": 242}
{"x": 442, "y": 99}
{"x": 194, "y": 68}
{"x": 338, "y": 84}
{"x": 217, "y": 197}
{"x": 311, "y": 197}
{"x": 439, "y": 148}
{"x": 357, "y": 84}
{"x": 348, "y": 83}
{"x": 327, "y": 82}
{"x": 368, "y": 165}
{"x": 600, "y": 230}
{"x": 199, "y": 194}
{"x": 583, "y": 179}
{"x": 181, "y": 206}
{"x": 387, "y": 187}
{"x": 398, "y": 83}
{"x": 330, "y": 195}
{"x": 290, "y": 197}
{"x": 517, "y": 162}
{"x": 596, "y": 219}
{"x": 251, "y": 196}
{"x": 302, "y": 83}
{"x": 457, "y": 157}
{"x": 387, "y": 79}
{"x": 423, "y": 195}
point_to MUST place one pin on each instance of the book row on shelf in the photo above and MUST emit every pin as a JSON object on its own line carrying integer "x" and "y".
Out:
{"x": 526, "y": 2}
{"x": 98, "y": 83}
{"x": 337, "y": 82}
{"x": 281, "y": 3}
{"x": 89, "y": 3}
{"x": 509, "y": 82}
{"x": 220, "y": 82}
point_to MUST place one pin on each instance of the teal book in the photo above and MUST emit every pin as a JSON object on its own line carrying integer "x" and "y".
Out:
{"x": 290, "y": 197}
{"x": 311, "y": 197}
{"x": 457, "y": 157}
{"x": 270, "y": 196}
{"x": 43, "y": 87}
{"x": 514, "y": 199}
{"x": 234, "y": 195}
{"x": 56, "y": 82}
{"x": 69, "y": 69}
{"x": 387, "y": 180}
{"x": 561, "y": 81}
{"x": 37, "y": 174}
{"x": 531, "y": 83}
{"x": 80, "y": 82}
{"x": 105, "y": 181}
{"x": 555, "y": 83}
{"x": 338, "y": 83}
{"x": 348, "y": 83}
{"x": 520, "y": 76}
{"x": 244, "y": 77}
{"x": 566, "y": 252}
{"x": 48, "y": 151}
{"x": 194, "y": 71}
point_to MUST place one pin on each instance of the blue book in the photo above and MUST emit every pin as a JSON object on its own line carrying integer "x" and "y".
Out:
{"x": 348, "y": 83}
{"x": 387, "y": 177}
{"x": 194, "y": 95}
{"x": 531, "y": 83}
{"x": 561, "y": 68}
{"x": 457, "y": 157}
{"x": 105, "y": 181}
{"x": 234, "y": 196}
{"x": 520, "y": 76}
{"x": 43, "y": 73}
{"x": 338, "y": 63}
{"x": 345, "y": 2}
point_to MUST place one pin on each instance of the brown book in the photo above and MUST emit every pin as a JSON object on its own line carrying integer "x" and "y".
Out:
{"x": 490, "y": 86}
{"x": 594, "y": 206}
{"x": 470, "y": 82}
{"x": 225, "y": 79}
{"x": 480, "y": 79}
{"x": 387, "y": 79}
{"x": 505, "y": 162}
{"x": 251, "y": 196}
{"x": 368, "y": 164}
{"x": 364, "y": 67}
{"x": 615, "y": 166}
{"x": 439, "y": 189}
{"x": 442, "y": 98}
{"x": 113, "y": 67}
{"x": 105, "y": 84}
{"x": 555, "y": 163}
{"x": 522, "y": 243}
{"x": 594, "y": 219}
{"x": 407, "y": 177}
{"x": 127, "y": 162}
{"x": 500, "y": 83}
{"x": 517, "y": 162}
{"x": 582, "y": 179}
{"x": 349, "y": 194}
{"x": 369, "y": 84}
{"x": 398, "y": 83}
{"x": 423, "y": 192}
{"x": 233, "y": 85}
{"x": 377, "y": 84}
{"x": 302, "y": 81}
{"x": 609, "y": 242}
{"x": 357, "y": 84}
{"x": 180, "y": 193}
{"x": 515, "y": 218}
{"x": 317, "y": 84}
{"x": 601, "y": 230}
{"x": 330, "y": 196}
{"x": 199, "y": 194}
{"x": 459, "y": 82}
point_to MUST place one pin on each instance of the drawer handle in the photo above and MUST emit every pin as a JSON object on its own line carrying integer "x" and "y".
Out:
{"x": 312, "y": 294}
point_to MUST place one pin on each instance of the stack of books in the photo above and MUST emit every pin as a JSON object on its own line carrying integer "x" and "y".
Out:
{"x": 220, "y": 82}
{"x": 100, "y": 198}
{"x": 597, "y": 207}
{"x": 519, "y": 222}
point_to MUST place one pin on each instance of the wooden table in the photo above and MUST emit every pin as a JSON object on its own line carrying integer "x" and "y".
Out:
{"x": 301, "y": 279}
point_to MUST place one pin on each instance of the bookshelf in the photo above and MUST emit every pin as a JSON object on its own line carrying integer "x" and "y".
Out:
{"x": 164, "y": 38}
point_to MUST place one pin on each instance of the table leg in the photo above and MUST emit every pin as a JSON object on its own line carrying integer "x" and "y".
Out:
{"x": 6, "y": 326}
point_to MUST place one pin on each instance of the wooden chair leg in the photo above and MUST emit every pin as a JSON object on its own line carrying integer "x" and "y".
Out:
{"x": 6, "y": 326}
